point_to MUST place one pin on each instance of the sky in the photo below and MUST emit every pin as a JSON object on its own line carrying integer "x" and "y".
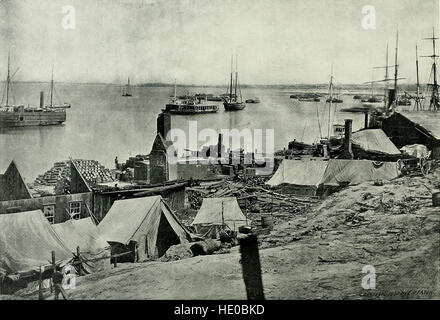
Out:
{"x": 276, "y": 41}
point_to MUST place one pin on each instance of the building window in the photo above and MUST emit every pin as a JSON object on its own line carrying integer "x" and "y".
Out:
{"x": 49, "y": 213}
{"x": 75, "y": 210}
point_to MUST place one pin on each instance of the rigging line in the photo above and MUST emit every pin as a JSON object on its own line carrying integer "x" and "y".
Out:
{"x": 304, "y": 130}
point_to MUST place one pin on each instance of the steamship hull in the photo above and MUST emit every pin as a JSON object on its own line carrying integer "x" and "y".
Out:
{"x": 27, "y": 119}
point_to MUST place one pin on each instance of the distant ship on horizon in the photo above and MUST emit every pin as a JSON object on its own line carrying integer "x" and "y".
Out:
{"x": 126, "y": 91}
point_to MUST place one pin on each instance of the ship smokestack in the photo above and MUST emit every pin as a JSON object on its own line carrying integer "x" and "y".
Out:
{"x": 41, "y": 99}
{"x": 391, "y": 99}
{"x": 219, "y": 146}
{"x": 347, "y": 153}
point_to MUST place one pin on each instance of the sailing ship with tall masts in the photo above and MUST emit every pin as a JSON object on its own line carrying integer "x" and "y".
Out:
{"x": 23, "y": 116}
{"x": 434, "y": 103}
{"x": 126, "y": 90}
{"x": 232, "y": 102}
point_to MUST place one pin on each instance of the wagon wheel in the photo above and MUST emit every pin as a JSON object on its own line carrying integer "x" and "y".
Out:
{"x": 425, "y": 166}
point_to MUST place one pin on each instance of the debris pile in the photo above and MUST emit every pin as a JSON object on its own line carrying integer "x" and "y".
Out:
{"x": 252, "y": 198}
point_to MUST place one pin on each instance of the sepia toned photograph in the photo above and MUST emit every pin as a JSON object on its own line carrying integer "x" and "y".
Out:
{"x": 239, "y": 150}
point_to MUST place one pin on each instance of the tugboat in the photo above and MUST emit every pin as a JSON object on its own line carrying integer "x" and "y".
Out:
{"x": 253, "y": 100}
{"x": 232, "y": 103}
{"x": 21, "y": 116}
{"x": 126, "y": 91}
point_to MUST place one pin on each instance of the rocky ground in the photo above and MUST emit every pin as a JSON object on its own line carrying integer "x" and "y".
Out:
{"x": 318, "y": 254}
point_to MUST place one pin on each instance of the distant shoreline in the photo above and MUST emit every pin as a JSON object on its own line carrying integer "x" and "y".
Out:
{"x": 273, "y": 86}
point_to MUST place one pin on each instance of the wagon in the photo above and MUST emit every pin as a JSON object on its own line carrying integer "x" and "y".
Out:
{"x": 414, "y": 165}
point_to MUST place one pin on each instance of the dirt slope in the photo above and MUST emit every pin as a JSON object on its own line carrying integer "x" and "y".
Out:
{"x": 318, "y": 255}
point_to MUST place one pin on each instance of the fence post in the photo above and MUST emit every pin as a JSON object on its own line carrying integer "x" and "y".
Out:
{"x": 250, "y": 262}
{"x": 78, "y": 254}
{"x": 115, "y": 261}
{"x": 40, "y": 285}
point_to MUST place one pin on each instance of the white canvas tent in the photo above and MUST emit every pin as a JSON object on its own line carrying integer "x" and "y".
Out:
{"x": 26, "y": 242}
{"x": 146, "y": 223}
{"x": 218, "y": 213}
{"x": 302, "y": 176}
{"x": 307, "y": 176}
{"x": 81, "y": 233}
{"x": 350, "y": 172}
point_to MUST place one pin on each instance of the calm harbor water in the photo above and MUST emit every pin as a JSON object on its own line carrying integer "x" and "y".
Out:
{"x": 102, "y": 124}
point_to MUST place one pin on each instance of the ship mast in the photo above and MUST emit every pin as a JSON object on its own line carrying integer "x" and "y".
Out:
{"x": 236, "y": 77}
{"x": 8, "y": 79}
{"x": 230, "y": 85}
{"x": 396, "y": 67}
{"x": 386, "y": 83}
{"x": 51, "y": 90}
{"x": 128, "y": 86}
{"x": 434, "y": 103}
{"x": 417, "y": 105}
{"x": 331, "y": 101}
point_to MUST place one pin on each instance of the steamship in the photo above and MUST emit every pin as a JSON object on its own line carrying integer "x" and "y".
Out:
{"x": 23, "y": 116}
{"x": 189, "y": 105}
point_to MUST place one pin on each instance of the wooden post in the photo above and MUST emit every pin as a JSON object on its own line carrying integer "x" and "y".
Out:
{"x": 40, "y": 285}
{"x": 53, "y": 270}
{"x": 78, "y": 254}
{"x": 115, "y": 261}
{"x": 250, "y": 262}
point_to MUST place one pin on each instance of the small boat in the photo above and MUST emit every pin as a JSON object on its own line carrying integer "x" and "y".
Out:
{"x": 254, "y": 100}
{"x": 357, "y": 97}
{"x": 335, "y": 100}
{"x": 232, "y": 103}
{"x": 126, "y": 91}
